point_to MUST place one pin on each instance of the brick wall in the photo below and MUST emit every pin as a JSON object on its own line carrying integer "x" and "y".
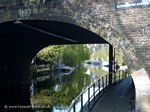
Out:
{"x": 128, "y": 29}
{"x": 134, "y": 25}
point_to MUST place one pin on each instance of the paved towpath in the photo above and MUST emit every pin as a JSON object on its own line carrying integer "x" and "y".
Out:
{"x": 118, "y": 98}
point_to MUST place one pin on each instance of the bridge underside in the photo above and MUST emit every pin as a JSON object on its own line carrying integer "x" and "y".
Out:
{"x": 20, "y": 41}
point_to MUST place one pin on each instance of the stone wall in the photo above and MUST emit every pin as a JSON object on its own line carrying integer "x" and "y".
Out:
{"x": 128, "y": 29}
{"x": 134, "y": 25}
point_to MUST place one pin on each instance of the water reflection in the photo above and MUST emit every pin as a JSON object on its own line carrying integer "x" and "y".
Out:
{"x": 58, "y": 90}
{"x": 55, "y": 92}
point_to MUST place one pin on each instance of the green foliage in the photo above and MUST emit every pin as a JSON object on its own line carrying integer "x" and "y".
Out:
{"x": 47, "y": 96}
{"x": 7, "y": 15}
{"x": 69, "y": 54}
{"x": 50, "y": 54}
{"x": 75, "y": 54}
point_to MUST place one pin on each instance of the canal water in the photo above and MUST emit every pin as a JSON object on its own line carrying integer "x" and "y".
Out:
{"x": 55, "y": 92}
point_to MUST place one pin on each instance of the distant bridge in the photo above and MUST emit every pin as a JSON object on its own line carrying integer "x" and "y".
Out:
{"x": 96, "y": 63}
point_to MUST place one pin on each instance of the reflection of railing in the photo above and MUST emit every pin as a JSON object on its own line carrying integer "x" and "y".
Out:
{"x": 43, "y": 68}
{"x": 38, "y": 71}
{"x": 87, "y": 98}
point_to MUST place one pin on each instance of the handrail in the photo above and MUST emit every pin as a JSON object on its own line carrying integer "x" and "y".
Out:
{"x": 94, "y": 91}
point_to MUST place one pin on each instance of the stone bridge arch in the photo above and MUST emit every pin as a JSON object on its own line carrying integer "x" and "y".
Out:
{"x": 88, "y": 15}
{"x": 73, "y": 13}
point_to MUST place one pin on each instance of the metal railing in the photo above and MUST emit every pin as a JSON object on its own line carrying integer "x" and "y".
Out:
{"x": 88, "y": 97}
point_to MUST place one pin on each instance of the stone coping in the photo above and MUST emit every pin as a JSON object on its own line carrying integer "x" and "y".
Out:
{"x": 142, "y": 88}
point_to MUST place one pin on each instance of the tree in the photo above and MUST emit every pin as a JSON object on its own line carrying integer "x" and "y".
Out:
{"x": 71, "y": 55}
{"x": 49, "y": 54}
{"x": 75, "y": 54}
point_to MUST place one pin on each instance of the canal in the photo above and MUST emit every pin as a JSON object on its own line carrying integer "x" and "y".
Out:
{"x": 55, "y": 92}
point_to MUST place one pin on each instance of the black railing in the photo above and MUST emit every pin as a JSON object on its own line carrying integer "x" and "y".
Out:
{"x": 88, "y": 97}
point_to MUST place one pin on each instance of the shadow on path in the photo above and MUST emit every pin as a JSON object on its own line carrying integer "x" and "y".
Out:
{"x": 118, "y": 98}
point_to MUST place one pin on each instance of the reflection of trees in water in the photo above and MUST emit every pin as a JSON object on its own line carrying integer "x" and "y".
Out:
{"x": 69, "y": 87}
{"x": 97, "y": 72}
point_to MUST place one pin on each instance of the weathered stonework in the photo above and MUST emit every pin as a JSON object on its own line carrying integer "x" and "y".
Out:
{"x": 126, "y": 29}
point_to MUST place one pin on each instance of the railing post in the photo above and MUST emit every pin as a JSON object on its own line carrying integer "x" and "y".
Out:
{"x": 119, "y": 75}
{"x": 99, "y": 85}
{"x": 89, "y": 99}
{"x": 110, "y": 63}
{"x": 115, "y": 77}
{"x": 103, "y": 83}
{"x": 82, "y": 102}
{"x": 74, "y": 107}
{"x": 94, "y": 91}
{"x": 106, "y": 81}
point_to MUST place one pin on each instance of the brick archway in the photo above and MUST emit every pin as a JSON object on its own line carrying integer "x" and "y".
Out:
{"x": 76, "y": 14}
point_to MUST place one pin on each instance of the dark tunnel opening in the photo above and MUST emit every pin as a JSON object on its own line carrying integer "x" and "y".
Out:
{"x": 19, "y": 42}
